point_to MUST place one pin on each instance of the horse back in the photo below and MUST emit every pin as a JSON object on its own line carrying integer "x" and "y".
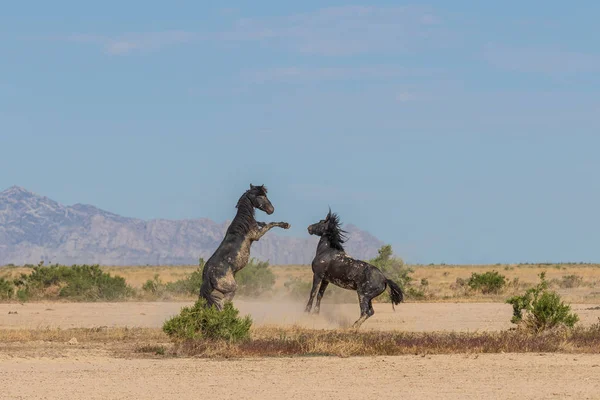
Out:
{"x": 341, "y": 270}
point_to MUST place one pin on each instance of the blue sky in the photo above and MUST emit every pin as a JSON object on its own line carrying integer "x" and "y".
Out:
{"x": 459, "y": 132}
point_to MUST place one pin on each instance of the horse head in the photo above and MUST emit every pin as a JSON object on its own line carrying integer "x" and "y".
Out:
{"x": 319, "y": 228}
{"x": 259, "y": 199}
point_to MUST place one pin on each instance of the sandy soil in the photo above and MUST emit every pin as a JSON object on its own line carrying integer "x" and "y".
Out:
{"x": 407, "y": 317}
{"x": 44, "y": 370}
{"x": 498, "y": 376}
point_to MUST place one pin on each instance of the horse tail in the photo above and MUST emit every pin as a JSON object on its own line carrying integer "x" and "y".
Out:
{"x": 395, "y": 293}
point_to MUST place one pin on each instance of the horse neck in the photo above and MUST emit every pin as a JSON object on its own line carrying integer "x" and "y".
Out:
{"x": 324, "y": 245}
{"x": 244, "y": 218}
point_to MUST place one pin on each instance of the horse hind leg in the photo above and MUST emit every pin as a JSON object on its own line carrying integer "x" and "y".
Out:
{"x": 366, "y": 310}
{"x": 213, "y": 297}
{"x": 210, "y": 295}
{"x": 226, "y": 287}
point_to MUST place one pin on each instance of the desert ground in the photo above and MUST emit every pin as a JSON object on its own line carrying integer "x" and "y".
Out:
{"x": 51, "y": 369}
{"x": 495, "y": 376}
{"x": 44, "y": 356}
{"x": 412, "y": 317}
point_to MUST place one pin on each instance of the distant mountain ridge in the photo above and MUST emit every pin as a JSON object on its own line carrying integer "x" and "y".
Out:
{"x": 34, "y": 228}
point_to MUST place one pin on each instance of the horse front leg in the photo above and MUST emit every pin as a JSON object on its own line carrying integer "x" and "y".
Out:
{"x": 264, "y": 228}
{"x": 313, "y": 291}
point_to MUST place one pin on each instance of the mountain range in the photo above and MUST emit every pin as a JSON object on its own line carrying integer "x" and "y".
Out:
{"x": 35, "y": 228}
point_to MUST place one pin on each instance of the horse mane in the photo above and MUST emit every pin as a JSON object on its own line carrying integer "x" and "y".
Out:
{"x": 336, "y": 235}
{"x": 259, "y": 190}
{"x": 244, "y": 219}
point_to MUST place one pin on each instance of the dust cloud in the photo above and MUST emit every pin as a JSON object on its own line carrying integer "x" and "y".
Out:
{"x": 284, "y": 312}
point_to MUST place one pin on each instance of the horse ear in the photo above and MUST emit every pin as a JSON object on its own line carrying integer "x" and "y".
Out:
{"x": 251, "y": 186}
{"x": 329, "y": 214}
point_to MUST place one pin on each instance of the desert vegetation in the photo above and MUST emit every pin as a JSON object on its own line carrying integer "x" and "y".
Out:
{"x": 548, "y": 325}
{"x": 77, "y": 282}
{"x": 6, "y": 289}
{"x": 544, "y": 309}
{"x": 273, "y": 341}
{"x": 575, "y": 282}
{"x": 207, "y": 323}
{"x": 302, "y": 342}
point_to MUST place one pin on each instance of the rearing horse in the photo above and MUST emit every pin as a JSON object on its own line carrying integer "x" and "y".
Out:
{"x": 218, "y": 283}
{"x": 332, "y": 264}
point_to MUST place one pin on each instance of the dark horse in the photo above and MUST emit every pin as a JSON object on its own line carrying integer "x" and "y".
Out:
{"x": 232, "y": 255}
{"x": 332, "y": 264}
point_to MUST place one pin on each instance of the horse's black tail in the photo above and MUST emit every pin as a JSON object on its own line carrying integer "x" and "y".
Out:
{"x": 395, "y": 293}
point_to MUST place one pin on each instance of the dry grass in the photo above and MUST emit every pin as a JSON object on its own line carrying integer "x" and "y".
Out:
{"x": 275, "y": 342}
{"x": 348, "y": 343}
{"x": 441, "y": 279}
{"x": 136, "y": 276}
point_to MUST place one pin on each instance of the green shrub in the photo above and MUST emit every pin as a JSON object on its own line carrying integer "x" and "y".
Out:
{"x": 23, "y": 295}
{"x": 544, "y": 309}
{"x": 91, "y": 283}
{"x": 7, "y": 289}
{"x": 395, "y": 269}
{"x": 78, "y": 282}
{"x": 489, "y": 282}
{"x": 154, "y": 286}
{"x": 392, "y": 267}
{"x": 255, "y": 278}
{"x": 189, "y": 285}
{"x": 201, "y": 322}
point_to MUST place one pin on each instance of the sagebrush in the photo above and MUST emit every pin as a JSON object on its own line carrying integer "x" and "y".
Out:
{"x": 77, "y": 282}
{"x": 395, "y": 269}
{"x": 7, "y": 289}
{"x": 490, "y": 282}
{"x": 201, "y": 322}
{"x": 255, "y": 279}
{"x": 188, "y": 286}
{"x": 543, "y": 309}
